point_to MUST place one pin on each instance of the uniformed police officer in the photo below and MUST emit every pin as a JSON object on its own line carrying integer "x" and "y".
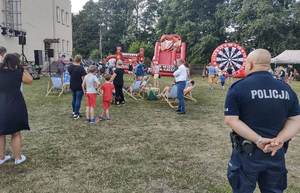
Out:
{"x": 264, "y": 114}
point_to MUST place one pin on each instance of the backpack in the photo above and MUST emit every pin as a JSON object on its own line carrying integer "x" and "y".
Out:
{"x": 151, "y": 96}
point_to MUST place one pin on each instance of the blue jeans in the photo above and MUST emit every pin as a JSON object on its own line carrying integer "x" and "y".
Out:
{"x": 180, "y": 95}
{"x": 76, "y": 102}
{"x": 245, "y": 171}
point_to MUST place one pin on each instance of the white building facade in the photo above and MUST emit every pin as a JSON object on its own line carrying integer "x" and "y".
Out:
{"x": 46, "y": 23}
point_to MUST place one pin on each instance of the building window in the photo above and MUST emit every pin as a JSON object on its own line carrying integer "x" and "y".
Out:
{"x": 12, "y": 14}
{"x": 68, "y": 49}
{"x": 63, "y": 46}
{"x": 57, "y": 48}
{"x": 58, "y": 14}
{"x": 63, "y": 17}
{"x": 67, "y": 18}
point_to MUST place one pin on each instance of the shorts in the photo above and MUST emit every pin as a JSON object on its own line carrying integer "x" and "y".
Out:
{"x": 156, "y": 76}
{"x": 106, "y": 105}
{"x": 211, "y": 79}
{"x": 91, "y": 99}
{"x": 222, "y": 83}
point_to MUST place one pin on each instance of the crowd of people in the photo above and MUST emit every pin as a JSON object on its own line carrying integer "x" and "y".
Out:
{"x": 286, "y": 73}
{"x": 86, "y": 82}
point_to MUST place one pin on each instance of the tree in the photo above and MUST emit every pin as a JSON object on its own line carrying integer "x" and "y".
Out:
{"x": 149, "y": 49}
{"x": 271, "y": 24}
{"x": 121, "y": 22}
{"x": 262, "y": 24}
{"x": 85, "y": 30}
{"x": 195, "y": 21}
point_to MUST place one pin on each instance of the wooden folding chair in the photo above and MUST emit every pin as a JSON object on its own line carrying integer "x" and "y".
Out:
{"x": 189, "y": 96}
{"x": 171, "y": 98}
{"x": 57, "y": 83}
{"x": 129, "y": 94}
{"x": 136, "y": 89}
{"x": 172, "y": 103}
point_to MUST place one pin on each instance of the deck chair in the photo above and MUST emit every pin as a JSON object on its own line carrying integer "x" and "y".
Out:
{"x": 171, "y": 97}
{"x": 188, "y": 95}
{"x": 56, "y": 83}
{"x": 133, "y": 89}
{"x": 136, "y": 90}
{"x": 66, "y": 81}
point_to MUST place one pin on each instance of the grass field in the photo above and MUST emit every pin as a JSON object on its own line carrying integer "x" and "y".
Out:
{"x": 145, "y": 148}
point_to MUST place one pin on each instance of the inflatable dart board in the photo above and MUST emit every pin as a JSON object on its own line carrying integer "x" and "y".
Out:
{"x": 230, "y": 55}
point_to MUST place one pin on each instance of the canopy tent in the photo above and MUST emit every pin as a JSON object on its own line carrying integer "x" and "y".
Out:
{"x": 287, "y": 57}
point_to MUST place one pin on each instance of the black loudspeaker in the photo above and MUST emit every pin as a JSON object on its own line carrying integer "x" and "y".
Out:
{"x": 38, "y": 57}
{"x": 50, "y": 53}
{"x": 22, "y": 40}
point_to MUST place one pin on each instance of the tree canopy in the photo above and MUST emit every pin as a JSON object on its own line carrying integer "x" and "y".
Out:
{"x": 270, "y": 24}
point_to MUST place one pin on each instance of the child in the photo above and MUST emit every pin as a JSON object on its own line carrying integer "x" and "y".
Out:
{"x": 89, "y": 85}
{"x": 155, "y": 71}
{"x": 107, "y": 90}
{"x": 222, "y": 80}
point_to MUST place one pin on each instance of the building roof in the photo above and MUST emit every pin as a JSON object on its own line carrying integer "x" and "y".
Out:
{"x": 287, "y": 57}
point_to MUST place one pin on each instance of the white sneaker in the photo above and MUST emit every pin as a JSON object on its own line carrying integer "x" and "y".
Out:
{"x": 6, "y": 158}
{"x": 19, "y": 161}
{"x": 75, "y": 117}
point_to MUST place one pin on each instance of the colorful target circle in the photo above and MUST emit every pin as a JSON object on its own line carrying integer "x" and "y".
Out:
{"x": 229, "y": 55}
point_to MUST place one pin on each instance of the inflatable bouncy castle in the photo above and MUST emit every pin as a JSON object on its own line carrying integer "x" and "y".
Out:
{"x": 127, "y": 58}
{"x": 167, "y": 50}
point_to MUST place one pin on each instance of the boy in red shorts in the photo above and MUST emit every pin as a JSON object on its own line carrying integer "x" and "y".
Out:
{"x": 107, "y": 91}
{"x": 89, "y": 85}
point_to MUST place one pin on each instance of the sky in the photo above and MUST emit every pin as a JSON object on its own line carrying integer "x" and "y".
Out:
{"x": 77, "y": 5}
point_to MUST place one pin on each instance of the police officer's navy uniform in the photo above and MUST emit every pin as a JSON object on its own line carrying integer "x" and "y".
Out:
{"x": 264, "y": 104}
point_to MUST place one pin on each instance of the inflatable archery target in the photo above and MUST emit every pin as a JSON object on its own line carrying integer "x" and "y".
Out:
{"x": 229, "y": 54}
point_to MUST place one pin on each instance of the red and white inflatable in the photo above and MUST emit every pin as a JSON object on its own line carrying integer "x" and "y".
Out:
{"x": 167, "y": 50}
{"x": 230, "y": 55}
{"x": 127, "y": 58}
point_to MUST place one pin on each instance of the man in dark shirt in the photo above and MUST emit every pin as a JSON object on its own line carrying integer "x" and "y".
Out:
{"x": 264, "y": 114}
{"x": 118, "y": 80}
{"x": 77, "y": 74}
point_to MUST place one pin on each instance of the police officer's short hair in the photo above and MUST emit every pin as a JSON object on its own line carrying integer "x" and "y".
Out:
{"x": 2, "y": 50}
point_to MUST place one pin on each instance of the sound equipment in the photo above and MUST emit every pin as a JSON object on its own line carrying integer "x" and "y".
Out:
{"x": 38, "y": 57}
{"x": 22, "y": 40}
{"x": 50, "y": 53}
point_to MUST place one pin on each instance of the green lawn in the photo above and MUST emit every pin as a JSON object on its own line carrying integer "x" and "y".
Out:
{"x": 145, "y": 148}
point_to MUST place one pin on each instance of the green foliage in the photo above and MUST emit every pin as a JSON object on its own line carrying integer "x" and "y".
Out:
{"x": 132, "y": 24}
{"x": 195, "y": 22}
{"x": 273, "y": 25}
{"x": 95, "y": 55}
{"x": 149, "y": 49}
{"x": 119, "y": 21}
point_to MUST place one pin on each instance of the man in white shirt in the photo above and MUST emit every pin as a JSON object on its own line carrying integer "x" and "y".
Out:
{"x": 181, "y": 76}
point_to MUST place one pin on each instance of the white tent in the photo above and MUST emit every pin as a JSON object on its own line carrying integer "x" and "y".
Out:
{"x": 287, "y": 57}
